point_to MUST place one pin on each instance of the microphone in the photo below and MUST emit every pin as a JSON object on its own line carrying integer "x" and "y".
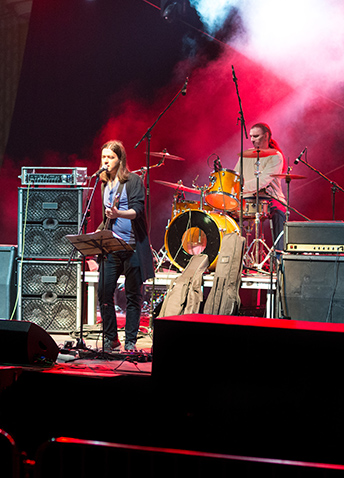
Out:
{"x": 300, "y": 155}
{"x": 184, "y": 87}
{"x": 104, "y": 168}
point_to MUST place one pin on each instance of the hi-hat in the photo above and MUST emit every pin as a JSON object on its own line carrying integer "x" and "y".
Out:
{"x": 288, "y": 176}
{"x": 166, "y": 155}
{"x": 180, "y": 187}
{"x": 263, "y": 153}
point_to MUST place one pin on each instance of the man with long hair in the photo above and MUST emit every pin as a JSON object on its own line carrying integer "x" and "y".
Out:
{"x": 269, "y": 186}
{"x": 123, "y": 200}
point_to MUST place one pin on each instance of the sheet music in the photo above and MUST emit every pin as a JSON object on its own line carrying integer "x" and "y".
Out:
{"x": 100, "y": 242}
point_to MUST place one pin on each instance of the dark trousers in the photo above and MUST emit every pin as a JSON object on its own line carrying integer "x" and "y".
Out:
{"x": 278, "y": 220}
{"x": 110, "y": 269}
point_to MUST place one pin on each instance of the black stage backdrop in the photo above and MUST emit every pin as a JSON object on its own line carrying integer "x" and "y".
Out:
{"x": 97, "y": 70}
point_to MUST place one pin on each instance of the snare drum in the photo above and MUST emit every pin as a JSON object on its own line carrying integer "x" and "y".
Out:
{"x": 195, "y": 232}
{"x": 250, "y": 208}
{"x": 224, "y": 190}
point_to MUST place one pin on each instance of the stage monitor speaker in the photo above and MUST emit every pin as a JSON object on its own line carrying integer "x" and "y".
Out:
{"x": 49, "y": 214}
{"x": 7, "y": 280}
{"x": 313, "y": 288}
{"x": 25, "y": 343}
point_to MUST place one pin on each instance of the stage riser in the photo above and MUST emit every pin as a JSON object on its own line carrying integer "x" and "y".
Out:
{"x": 271, "y": 353}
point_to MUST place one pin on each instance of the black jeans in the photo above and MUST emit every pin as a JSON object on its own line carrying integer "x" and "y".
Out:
{"x": 110, "y": 269}
{"x": 278, "y": 220}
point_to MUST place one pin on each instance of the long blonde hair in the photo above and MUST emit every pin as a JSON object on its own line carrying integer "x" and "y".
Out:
{"x": 123, "y": 171}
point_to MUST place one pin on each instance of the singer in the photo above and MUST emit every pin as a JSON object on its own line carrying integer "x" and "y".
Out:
{"x": 269, "y": 186}
{"x": 123, "y": 200}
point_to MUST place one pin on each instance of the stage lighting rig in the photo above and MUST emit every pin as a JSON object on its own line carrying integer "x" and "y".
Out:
{"x": 171, "y": 10}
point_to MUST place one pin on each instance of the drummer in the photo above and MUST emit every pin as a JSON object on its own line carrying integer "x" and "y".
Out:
{"x": 269, "y": 186}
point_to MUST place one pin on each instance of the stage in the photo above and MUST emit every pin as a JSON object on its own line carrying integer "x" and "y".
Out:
{"x": 243, "y": 386}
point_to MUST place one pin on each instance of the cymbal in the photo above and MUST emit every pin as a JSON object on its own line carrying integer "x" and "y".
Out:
{"x": 166, "y": 155}
{"x": 181, "y": 187}
{"x": 263, "y": 153}
{"x": 288, "y": 176}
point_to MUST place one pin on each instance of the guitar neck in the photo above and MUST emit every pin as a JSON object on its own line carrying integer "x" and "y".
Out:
{"x": 115, "y": 203}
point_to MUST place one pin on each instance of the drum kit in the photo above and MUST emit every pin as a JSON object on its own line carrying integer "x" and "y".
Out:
{"x": 199, "y": 226}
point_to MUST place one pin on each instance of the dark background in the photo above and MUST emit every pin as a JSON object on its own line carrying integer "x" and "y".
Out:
{"x": 98, "y": 70}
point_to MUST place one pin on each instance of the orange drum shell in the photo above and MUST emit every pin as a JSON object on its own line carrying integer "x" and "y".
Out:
{"x": 182, "y": 206}
{"x": 224, "y": 190}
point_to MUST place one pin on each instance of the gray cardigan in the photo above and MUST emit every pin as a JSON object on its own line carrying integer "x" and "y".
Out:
{"x": 136, "y": 200}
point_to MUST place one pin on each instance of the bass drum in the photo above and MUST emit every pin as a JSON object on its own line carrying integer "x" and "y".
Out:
{"x": 197, "y": 232}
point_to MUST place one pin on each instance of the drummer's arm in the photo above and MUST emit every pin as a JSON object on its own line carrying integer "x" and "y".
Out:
{"x": 273, "y": 166}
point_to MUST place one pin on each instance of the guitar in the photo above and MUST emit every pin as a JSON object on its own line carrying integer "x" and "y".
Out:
{"x": 115, "y": 203}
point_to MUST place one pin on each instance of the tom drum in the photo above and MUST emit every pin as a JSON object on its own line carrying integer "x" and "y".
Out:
{"x": 223, "y": 191}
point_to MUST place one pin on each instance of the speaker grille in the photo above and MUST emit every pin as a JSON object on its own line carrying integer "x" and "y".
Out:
{"x": 44, "y": 242}
{"x": 51, "y": 214}
{"x": 41, "y": 277}
{"x": 56, "y": 203}
{"x": 314, "y": 288}
{"x": 57, "y": 316}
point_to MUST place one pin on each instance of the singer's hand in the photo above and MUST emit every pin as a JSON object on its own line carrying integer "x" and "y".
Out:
{"x": 111, "y": 212}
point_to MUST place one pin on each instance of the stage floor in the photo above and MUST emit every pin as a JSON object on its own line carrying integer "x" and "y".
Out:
{"x": 89, "y": 359}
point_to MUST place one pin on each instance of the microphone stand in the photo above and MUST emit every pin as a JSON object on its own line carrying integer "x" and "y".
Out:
{"x": 80, "y": 343}
{"x": 334, "y": 186}
{"x": 148, "y": 135}
{"x": 242, "y": 129}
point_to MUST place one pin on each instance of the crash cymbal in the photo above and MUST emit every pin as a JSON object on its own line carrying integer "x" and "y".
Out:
{"x": 180, "y": 187}
{"x": 288, "y": 176}
{"x": 166, "y": 155}
{"x": 263, "y": 153}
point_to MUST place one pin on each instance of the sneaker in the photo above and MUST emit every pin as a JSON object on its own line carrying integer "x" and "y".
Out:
{"x": 112, "y": 345}
{"x": 130, "y": 347}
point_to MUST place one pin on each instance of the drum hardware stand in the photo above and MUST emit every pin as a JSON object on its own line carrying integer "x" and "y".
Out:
{"x": 143, "y": 170}
{"x": 258, "y": 243}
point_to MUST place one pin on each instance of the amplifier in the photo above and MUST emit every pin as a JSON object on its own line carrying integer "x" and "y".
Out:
{"x": 40, "y": 176}
{"x": 314, "y": 236}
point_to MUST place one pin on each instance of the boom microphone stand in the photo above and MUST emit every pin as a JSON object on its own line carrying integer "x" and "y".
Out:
{"x": 148, "y": 135}
{"x": 242, "y": 129}
{"x": 334, "y": 186}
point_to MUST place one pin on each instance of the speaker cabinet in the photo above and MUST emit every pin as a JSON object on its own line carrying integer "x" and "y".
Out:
{"x": 313, "y": 288}
{"x": 50, "y": 294}
{"x": 7, "y": 280}
{"x": 24, "y": 343}
{"x": 45, "y": 216}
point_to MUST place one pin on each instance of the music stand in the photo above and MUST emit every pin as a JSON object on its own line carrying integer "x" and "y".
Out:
{"x": 95, "y": 243}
